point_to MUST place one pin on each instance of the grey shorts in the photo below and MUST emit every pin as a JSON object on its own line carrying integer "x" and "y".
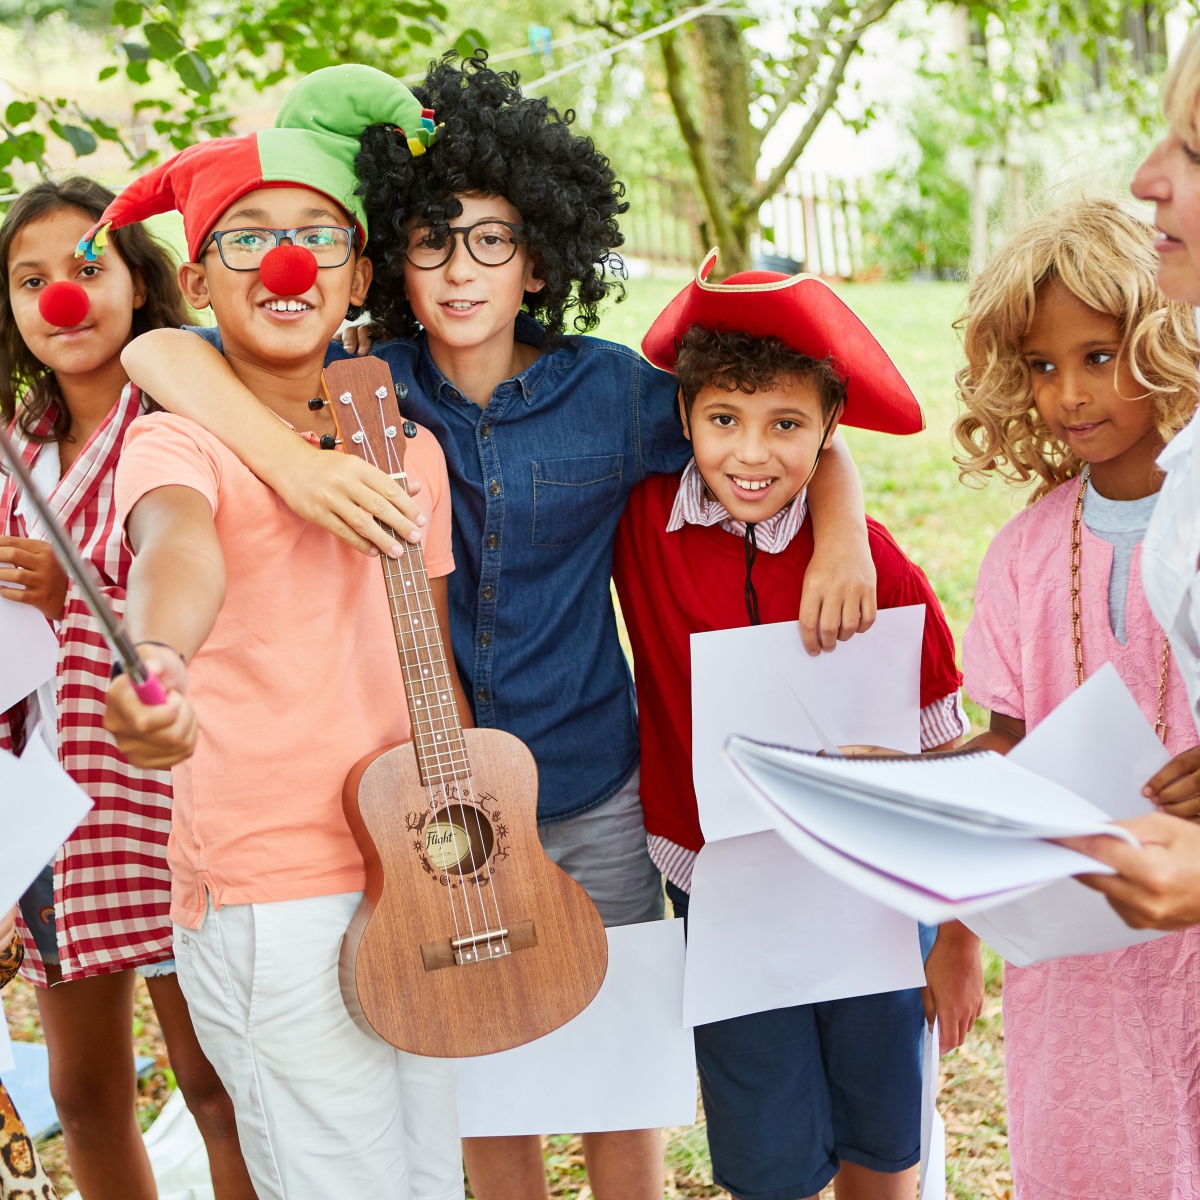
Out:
{"x": 604, "y": 851}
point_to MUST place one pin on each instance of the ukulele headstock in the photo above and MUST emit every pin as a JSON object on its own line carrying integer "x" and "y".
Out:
{"x": 363, "y": 402}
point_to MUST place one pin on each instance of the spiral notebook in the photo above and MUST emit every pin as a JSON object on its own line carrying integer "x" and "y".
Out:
{"x": 937, "y": 838}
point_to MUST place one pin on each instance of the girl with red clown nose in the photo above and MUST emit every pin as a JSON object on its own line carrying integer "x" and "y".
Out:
{"x": 99, "y": 914}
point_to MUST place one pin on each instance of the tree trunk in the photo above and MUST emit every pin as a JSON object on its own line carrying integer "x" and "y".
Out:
{"x": 730, "y": 141}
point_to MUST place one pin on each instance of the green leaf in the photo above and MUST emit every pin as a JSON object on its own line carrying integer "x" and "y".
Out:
{"x": 419, "y": 33}
{"x": 161, "y": 105}
{"x": 81, "y": 141}
{"x": 8, "y": 151}
{"x": 144, "y": 160}
{"x": 138, "y": 72}
{"x": 20, "y": 111}
{"x": 313, "y": 58}
{"x": 29, "y": 146}
{"x": 468, "y": 42}
{"x": 211, "y": 48}
{"x": 127, "y": 13}
{"x": 106, "y": 73}
{"x": 383, "y": 27}
{"x": 164, "y": 42}
{"x": 105, "y": 131}
{"x": 136, "y": 52}
{"x": 194, "y": 72}
{"x": 6, "y": 182}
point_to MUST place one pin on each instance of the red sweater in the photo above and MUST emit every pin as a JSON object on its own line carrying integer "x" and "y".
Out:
{"x": 672, "y": 585}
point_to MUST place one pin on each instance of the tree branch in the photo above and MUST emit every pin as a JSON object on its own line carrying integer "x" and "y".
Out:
{"x": 718, "y": 213}
{"x": 804, "y": 71}
{"x": 824, "y": 102}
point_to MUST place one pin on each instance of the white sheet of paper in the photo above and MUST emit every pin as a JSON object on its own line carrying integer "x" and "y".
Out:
{"x": 626, "y": 1062}
{"x": 1098, "y": 743}
{"x": 40, "y": 806}
{"x": 867, "y": 691}
{"x": 6, "y": 1054}
{"x": 933, "y": 1128}
{"x": 28, "y": 652}
{"x": 767, "y": 929}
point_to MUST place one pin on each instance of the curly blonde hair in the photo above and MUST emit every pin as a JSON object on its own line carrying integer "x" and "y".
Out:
{"x": 1105, "y": 257}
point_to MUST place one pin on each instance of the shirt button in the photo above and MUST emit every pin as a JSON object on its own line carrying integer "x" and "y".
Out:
{"x": 492, "y": 542}
{"x": 495, "y": 488}
{"x": 487, "y": 432}
{"x": 485, "y": 639}
{"x": 482, "y": 694}
{"x": 489, "y": 592}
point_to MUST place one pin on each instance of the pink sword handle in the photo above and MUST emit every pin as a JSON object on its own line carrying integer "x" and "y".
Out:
{"x": 151, "y": 692}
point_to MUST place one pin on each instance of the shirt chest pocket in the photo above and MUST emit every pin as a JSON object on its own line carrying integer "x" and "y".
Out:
{"x": 572, "y": 495}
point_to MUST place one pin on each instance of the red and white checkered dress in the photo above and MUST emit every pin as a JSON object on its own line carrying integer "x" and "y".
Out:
{"x": 112, "y": 886}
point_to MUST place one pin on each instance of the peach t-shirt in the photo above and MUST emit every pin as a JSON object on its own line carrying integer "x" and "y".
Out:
{"x": 298, "y": 680}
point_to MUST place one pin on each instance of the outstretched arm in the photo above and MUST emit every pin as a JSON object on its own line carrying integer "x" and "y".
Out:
{"x": 839, "y": 587}
{"x": 338, "y": 492}
{"x": 176, "y": 589}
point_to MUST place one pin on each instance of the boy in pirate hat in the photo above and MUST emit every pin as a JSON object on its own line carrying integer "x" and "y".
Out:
{"x": 768, "y": 365}
{"x": 279, "y": 635}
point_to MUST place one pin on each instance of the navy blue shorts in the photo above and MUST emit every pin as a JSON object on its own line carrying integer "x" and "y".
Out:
{"x": 792, "y": 1092}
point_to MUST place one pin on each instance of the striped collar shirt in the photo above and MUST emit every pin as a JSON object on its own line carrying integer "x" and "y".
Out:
{"x": 693, "y": 507}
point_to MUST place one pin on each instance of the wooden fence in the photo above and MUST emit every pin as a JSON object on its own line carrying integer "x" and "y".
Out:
{"x": 813, "y": 223}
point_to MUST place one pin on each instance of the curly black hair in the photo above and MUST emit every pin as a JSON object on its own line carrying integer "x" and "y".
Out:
{"x": 497, "y": 142}
{"x": 740, "y": 362}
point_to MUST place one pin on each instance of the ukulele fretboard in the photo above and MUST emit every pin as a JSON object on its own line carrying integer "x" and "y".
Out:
{"x": 437, "y": 734}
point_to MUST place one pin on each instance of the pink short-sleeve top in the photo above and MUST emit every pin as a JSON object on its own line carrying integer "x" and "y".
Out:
{"x": 1018, "y": 654}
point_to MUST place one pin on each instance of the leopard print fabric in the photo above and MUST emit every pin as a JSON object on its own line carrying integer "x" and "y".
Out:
{"x": 21, "y": 1174}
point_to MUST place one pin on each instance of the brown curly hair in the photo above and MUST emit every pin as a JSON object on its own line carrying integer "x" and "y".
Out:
{"x": 26, "y": 383}
{"x": 1105, "y": 257}
{"x": 740, "y": 362}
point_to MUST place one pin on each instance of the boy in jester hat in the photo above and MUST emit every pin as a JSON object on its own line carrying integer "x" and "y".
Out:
{"x": 275, "y": 640}
{"x": 768, "y": 365}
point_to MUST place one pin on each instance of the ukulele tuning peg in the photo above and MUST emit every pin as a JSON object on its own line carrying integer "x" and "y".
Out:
{"x": 381, "y": 393}
{"x": 390, "y": 431}
{"x": 315, "y": 403}
{"x": 410, "y": 429}
{"x": 401, "y": 392}
{"x": 345, "y": 397}
{"x": 328, "y": 441}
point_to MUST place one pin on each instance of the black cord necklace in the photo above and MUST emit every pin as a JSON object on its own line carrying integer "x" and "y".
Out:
{"x": 751, "y": 555}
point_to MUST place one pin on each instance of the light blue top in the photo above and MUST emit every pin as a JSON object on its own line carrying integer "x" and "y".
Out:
{"x": 1121, "y": 523}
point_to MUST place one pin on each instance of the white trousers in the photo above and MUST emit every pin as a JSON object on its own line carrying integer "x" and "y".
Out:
{"x": 323, "y": 1109}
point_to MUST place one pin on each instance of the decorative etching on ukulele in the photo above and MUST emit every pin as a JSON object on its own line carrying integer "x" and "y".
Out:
{"x": 442, "y": 837}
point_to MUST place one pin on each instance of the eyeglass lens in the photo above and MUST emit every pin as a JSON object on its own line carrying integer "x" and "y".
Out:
{"x": 491, "y": 244}
{"x": 243, "y": 249}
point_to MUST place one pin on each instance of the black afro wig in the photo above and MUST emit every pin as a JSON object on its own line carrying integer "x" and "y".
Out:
{"x": 498, "y": 142}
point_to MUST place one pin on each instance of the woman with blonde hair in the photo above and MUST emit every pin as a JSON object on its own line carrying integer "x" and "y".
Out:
{"x": 1078, "y": 371}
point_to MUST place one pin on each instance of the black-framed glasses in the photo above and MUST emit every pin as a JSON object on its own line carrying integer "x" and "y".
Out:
{"x": 490, "y": 243}
{"x": 244, "y": 249}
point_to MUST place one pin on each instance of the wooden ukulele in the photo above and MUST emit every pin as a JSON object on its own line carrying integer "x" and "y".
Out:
{"x": 468, "y": 940}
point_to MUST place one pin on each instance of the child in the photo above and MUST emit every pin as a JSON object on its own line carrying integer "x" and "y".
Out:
{"x": 796, "y": 1096}
{"x": 1078, "y": 369}
{"x": 510, "y": 216}
{"x": 282, "y": 637}
{"x": 100, "y": 912}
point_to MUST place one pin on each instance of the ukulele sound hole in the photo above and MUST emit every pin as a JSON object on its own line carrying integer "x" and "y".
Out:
{"x": 459, "y": 838}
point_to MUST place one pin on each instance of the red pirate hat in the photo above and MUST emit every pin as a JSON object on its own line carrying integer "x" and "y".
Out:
{"x": 805, "y": 314}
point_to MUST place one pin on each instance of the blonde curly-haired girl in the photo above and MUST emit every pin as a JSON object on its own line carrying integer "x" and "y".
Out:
{"x": 1078, "y": 371}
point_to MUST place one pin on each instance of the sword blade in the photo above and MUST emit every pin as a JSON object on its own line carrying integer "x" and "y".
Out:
{"x": 76, "y": 568}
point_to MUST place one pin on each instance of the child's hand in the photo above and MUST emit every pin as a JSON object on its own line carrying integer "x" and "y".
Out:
{"x": 358, "y": 339}
{"x": 31, "y": 563}
{"x": 838, "y": 600}
{"x": 153, "y": 737}
{"x": 1176, "y": 788}
{"x": 343, "y": 494}
{"x": 954, "y": 984}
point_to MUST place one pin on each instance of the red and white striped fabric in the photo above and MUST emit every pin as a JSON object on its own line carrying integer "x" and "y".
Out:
{"x": 112, "y": 886}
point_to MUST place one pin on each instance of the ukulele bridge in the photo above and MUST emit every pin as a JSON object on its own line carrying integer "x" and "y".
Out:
{"x": 478, "y": 947}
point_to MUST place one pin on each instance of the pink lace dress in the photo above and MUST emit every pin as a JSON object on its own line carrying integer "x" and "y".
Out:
{"x": 1102, "y": 1051}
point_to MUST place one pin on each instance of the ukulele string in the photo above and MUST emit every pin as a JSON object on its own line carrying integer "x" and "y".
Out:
{"x": 390, "y": 578}
{"x": 451, "y": 730}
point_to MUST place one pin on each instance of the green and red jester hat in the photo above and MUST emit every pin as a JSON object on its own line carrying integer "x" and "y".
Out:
{"x": 313, "y": 144}
{"x": 805, "y": 314}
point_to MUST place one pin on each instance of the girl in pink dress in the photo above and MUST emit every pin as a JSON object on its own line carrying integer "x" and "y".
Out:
{"x": 1078, "y": 371}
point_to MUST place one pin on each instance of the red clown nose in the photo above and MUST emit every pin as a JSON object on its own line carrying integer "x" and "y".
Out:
{"x": 288, "y": 270}
{"x": 63, "y": 304}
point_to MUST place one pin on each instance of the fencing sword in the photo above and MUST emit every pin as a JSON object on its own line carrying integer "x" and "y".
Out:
{"x": 147, "y": 687}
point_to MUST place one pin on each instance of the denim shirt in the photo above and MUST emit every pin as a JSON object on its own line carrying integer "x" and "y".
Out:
{"x": 539, "y": 479}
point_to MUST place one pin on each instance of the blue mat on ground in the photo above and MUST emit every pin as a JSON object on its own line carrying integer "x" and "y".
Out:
{"x": 29, "y": 1087}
